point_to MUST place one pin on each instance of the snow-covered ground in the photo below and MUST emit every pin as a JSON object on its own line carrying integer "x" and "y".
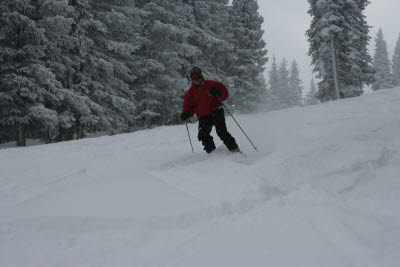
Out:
{"x": 323, "y": 190}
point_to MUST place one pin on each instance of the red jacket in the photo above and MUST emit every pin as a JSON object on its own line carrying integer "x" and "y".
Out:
{"x": 198, "y": 101}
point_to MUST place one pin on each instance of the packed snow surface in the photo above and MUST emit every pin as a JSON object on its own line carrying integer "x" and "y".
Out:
{"x": 322, "y": 190}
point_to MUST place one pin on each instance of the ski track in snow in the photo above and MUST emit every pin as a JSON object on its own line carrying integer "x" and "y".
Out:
{"x": 322, "y": 190}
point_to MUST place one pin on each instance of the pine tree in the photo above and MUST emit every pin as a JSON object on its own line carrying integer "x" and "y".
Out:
{"x": 274, "y": 84}
{"x": 339, "y": 34}
{"x": 381, "y": 63}
{"x": 295, "y": 85}
{"x": 119, "y": 59}
{"x": 283, "y": 91}
{"x": 167, "y": 56}
{"x": 249, "y": 54}
{"x": 359, "y": 69}
{"x": 30, "y": 94}
{"x": 78, "y": 113}
{"x": 311, "y": 94}
{"x": 274, "y": 76}
{"x": 396, "y": 65}
{"x": 212, "y": 38}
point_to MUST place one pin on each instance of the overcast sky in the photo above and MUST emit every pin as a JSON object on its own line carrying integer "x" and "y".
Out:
{"x": 286, "y": 21}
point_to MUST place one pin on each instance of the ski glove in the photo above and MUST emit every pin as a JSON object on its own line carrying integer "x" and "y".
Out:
{"x": 215, "y": 91}
{"x": 185, "y": 115}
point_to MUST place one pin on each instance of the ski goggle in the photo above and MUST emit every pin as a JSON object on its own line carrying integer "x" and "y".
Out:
{"x": 196, "y": 77}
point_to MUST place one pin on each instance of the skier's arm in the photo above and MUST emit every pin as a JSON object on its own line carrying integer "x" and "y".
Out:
{"x": 188, "y": 103}
{"x": 223, "y": 90}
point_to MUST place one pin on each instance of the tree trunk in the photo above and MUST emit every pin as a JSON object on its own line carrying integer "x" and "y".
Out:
{"x": 334, "y": 69}
{"x": 79, "y": 129}
{"x": 21, "y": 139}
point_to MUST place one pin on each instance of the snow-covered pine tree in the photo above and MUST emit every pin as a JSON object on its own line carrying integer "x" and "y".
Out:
{"x": 396, "y": 64}
{"x": 283, "y": 92}
{"x": 213, "y": 35}
{"x": 325, "y": 25}
{"x": 86, "y": 71}
{"x": 381, "y": 63}
{"x": 338, "y": 35}
{"x": 167, "y": 55}
{"x": 360, "y": 70}
{"x": 30, "y": 94}
{"x": 310, "y": 98}
{"x": 221, "y": 56}
{"x": 78, "y": 111}
{"x": 249, "y": 54}
{"x": 274, "y": 84}
{"x": 211, "y": 16}
{"x": 119, "y": 49}
{"x": 295, "y": 85}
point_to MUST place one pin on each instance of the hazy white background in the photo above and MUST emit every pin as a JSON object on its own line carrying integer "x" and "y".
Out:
{"x": 286, "y": 21}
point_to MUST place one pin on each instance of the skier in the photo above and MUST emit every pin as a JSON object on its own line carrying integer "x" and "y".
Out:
{"x": 201, "y": 98}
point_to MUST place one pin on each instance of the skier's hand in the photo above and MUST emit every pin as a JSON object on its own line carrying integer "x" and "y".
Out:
{"x": 215, "y": 91}
{"x": 185, "y": 115}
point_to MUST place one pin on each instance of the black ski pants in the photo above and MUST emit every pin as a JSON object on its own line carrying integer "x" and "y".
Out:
{"x": 206, "y": 123}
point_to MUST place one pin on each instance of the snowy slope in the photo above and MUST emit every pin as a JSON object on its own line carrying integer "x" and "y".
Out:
{"x": 323, "y": 190}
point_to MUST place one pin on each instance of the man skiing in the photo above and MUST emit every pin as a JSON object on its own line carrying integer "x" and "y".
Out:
{"x": 204, "y": 98}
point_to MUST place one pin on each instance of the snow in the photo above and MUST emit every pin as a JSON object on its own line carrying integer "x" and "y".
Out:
{"x": 323, "y": 190}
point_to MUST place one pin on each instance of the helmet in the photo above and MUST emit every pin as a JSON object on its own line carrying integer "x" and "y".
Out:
{"x": 195, "y": 71}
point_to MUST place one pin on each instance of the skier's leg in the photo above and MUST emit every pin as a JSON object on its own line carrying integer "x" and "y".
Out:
{"x": 205, "y": 127}
{"x": 222, "y": 131}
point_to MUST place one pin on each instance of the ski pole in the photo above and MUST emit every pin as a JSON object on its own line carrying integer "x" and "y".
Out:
{"x": 227, "y": 110}
{"x": 187, "y": 128}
